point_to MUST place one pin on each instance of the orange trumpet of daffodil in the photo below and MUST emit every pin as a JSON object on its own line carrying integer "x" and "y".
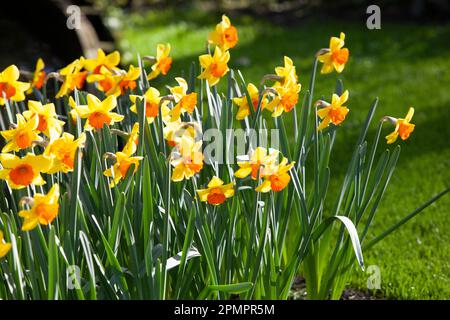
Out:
{"x": 336, "y": 56}
{"x": 216, "y": 193}
{"x": 43, "y": 210}
{"x": 215, "y": 66}
{"x": 276, "y": 177}
{"x": 123, "y": 162}
{"x": 48, "y": 123}
{"x": 10, "y": 88}
{"x": 185, "y": 102}
{"x": 62, "y": 151}
{"x": 163, "y": 61}
{"x": 334, "y": 112}
{"x": 22, "y": 135}
{"x": 22, "y": 172}
{"x": 403, "y": 127}
{"x": 225, "y": 36}
{"x": 258, "y": 160}
{"x": 186, "y": 158}
{"x": 242, "y": 102}
{"x": 4, "y": 246}
{"x": 38, "y": 76}
{"x": 152, "y": 101}
{"x": 98, "y": 113}
{"x": 73, "y": 77}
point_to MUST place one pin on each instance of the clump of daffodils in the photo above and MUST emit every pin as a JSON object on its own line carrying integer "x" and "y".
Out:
{"x": 134, "y": 133}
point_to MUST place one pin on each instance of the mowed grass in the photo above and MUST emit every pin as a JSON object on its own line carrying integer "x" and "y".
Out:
{"x": 402, "y": 64}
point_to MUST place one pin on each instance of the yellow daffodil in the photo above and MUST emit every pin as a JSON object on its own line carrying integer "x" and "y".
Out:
{"x": 38, "y": 76}
{"x": 285, "y": 99}
{"x": 98, "y": 113}
{"x": 403, "y": 127}
{"x": 43, "y": 210}
{"x": 106, "y": 82}
{"x": 163, "y": 61}
{"x": 185, "y": 102}
{"x": 128, "y": 80}
{"x": 258, "y": 160}
{"x": 21, "y": 172}
{"x": 133, "y": 140}
{"x": 186, "y": 158}
{"x": 225, "y": 36}
{"x": 4, "y": 246}
{"x": 10, "y": 88}
{"x": 62, "y": 151}
{"x": 170, "y": 127}
{"x": 102, "y": 63}
{"x": 336, "y": 56}
{"x": 215, "y": 66}
{"x": 73, "y": 77}
{"x": 22, "y": 135}
{"x": 334, "y": 113}
{"x": 48, "y": 123}
{"x": 287, "y": 73}
{"x": 242, "y": 102}
{"x": 217, "y": 192}
{"x": 276, "y": 177}
{"x": 152, "y": 101}
{"x": 118, "y": 82}
{"x": 120, "y": 168}
{"x": 73, "y": 111}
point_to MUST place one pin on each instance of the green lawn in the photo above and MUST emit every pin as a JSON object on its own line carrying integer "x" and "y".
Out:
{"x": 404, "y": 65}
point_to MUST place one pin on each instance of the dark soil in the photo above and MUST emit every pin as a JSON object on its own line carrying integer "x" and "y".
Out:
{"x": 298, "y": 292}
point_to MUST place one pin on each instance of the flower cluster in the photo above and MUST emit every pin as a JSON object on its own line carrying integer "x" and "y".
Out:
{"x": 37, "y": 145}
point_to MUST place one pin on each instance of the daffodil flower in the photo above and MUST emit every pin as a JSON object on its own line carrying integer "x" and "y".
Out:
{"x": 98, "y": 113}
{"x": 62, "y": 151}
{"x": 335, "y": 57}
{"x": 287, "y": 73}
{"x": 38, "y": 76}
{"x": 334, "y": 112}
{"x": 163, "y": 61}
{"x": 43, "y": 210}
{"x": 22, "y": 172}
{"x": 152, "y": 101}
{"x": 186, "y": 158}
{"x": 276, "y": 177}
{"x": 286, "y": 98}
{"x": 258, "y": 159}
{"x": 225, "y": 36}
{"x": 10, "y": 88}
{"x": 185, "y": 102}
{"x": 102, "y": 62}
{"x": 133, "y": 140}
{"x": 242, "y": 102}
{"x": 118, "y": 82}
{"x": 22, "y": 135}
{"x": 4, "y": 246}
{"x": 216, "y": 193}
{"x": 123, "y": 162}
{"x": 106, "y": 82}
{"x": 73, "y": 77}
{"x": 403, "y": 127}
{"x": 128, "y": 80}
{"x": 215, "y": 66}
{"x": 48, "y": 123}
